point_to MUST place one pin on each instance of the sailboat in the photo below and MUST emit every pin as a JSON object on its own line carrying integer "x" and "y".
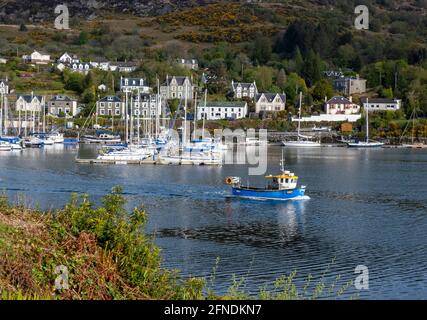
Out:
{"x": 131, "y": 151}
{"x": 367, "y": 143}
{"x": 195, "y": 152}
{"x": 302, "y": 141}
{"x": 413, "y": 144}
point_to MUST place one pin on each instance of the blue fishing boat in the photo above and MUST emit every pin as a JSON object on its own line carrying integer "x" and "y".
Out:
{"x": 279, "y": 187}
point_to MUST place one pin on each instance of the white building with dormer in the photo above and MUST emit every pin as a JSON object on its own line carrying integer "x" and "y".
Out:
{"x": 30, "y": 103}
{"x": 244, "y": 89}
{"x": 270, "y": 102}
{"x": 133, "y": 85}
{"x": 4, "y": 86}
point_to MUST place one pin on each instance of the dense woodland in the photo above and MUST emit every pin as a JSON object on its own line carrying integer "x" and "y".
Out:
{"x": 285, "y": 46}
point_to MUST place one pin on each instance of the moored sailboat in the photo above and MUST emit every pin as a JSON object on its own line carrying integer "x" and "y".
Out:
{"x": 367, "y": 143}
{"x": 301, "y": 141}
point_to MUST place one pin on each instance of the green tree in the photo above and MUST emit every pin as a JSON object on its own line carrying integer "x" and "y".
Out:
{"x": 312, "y": 70}
{"x": 261, "y": 49}
{"x": 264, "y": 78}
{"x": 281, "y": 79}
{"x": 83, "y": 37}
{"x": 323, "y": 88}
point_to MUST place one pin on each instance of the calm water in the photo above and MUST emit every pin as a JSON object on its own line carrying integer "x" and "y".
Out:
{"x": 367, "y": 207}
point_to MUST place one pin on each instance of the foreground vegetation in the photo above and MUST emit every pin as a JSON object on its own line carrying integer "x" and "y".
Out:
{"x": 108, "y": 256}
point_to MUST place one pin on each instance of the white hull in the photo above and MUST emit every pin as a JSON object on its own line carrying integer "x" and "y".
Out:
{"x": 415, "y": 146}
{"x": 5, "y": 147}
{"x": 365, "y": 144}
{"x": 190, "y": 160}
{"x": 302, "y": 144}
{"x": 132, "y": 154}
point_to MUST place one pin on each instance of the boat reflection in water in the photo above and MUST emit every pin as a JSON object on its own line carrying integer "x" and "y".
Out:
{"x": 290, "y": 220}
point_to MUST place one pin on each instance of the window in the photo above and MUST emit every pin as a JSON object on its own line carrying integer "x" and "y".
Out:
{"x": 67, "y": 110}
{"x": 52, "y": 110}
{"x": 102, "y": 112}
{"x": 117, "y": 112}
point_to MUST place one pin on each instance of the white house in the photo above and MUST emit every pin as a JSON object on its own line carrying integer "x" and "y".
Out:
{"x": 242, "y": 89}
{"x": 30, "y": 103}
{"x": 36, "y": 58}
{"x": 378, "y": 104}
{"x": 127, "y": 67}
{"x": 223, "y": 110}
{"x": 340, "y": 105}
{"x": 177, "y": 87}
{"x": 62, "y": 104}
{"x": 105, "y": 66}
{"x": 191, "y": 64}
{"x": 68, "y": 59}
{"x": 82, "y": 67}
{"x": 270, "y": 102}
{"x": 3, "y": 61}
{"x": 102, "y": 87}
{"x": 147, "y": 105}
{"x": 4, "y": 86}
{"x": 109, "y": 106}
{"x": 134, "y": 84}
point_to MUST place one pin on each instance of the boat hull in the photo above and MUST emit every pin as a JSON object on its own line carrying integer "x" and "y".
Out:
{"x": 266, "y": 194}
{"x": 365, "y": 145}
{"x": 301, "y": 144}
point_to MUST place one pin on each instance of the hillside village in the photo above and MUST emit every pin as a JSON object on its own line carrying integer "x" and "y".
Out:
{"x": 253, "y": 83}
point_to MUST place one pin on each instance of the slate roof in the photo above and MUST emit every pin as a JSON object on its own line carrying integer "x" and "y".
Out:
{"x": 339, "y": 100}
{"x": 270, "y": 96}
{"x": 110, "y": 99}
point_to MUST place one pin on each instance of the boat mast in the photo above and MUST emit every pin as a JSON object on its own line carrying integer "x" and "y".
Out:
{"x": 131, "y": 118}
{"x": 185, "y": 116}
{"x": 195, "y": 115}
{"x": 203, "y": 123}
{"x": 157, "y": 109}
{"x": 44, "y": 118}
{"x": 126, "y": 118}
{"x": 367, "y": 120}
{"x": 299, "y": 114}
{"x": 282, "y": 163}
{"x": 1, "y": 113}
{"x": 413, "y": 125}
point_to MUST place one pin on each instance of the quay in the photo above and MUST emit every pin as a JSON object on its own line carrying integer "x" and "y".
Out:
{"x": 98, "y": 161}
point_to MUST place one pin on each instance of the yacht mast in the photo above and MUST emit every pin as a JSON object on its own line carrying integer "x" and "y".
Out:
{"x": 203, "y": 123}
{"x": 299, "y": 113}
{"x": 367, "y": 120}
{"x": 185, "y": 117}
{"x": 195, "y": 117}
{"x": 126, "y": 119}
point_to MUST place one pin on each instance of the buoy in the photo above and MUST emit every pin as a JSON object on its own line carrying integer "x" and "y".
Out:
{"x": 229, "y": 180}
